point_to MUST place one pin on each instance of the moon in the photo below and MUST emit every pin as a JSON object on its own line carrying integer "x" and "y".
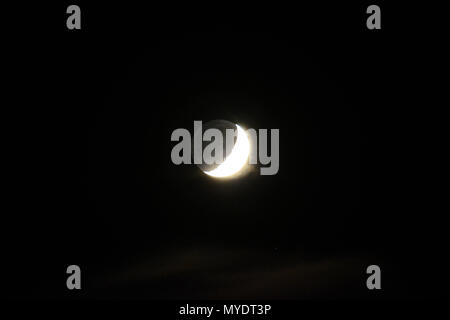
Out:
{"x": 236, "y": 160}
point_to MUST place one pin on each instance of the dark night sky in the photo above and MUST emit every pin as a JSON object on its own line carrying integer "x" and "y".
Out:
{"x": 103, "y": 193}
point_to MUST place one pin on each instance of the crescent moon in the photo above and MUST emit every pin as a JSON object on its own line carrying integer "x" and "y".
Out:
{"x": 236, "y": 159}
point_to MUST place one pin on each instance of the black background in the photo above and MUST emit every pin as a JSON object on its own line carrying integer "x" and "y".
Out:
{"x": 93, "y": 183}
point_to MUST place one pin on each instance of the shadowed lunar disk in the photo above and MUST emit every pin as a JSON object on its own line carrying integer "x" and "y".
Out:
{"x": 237, "y": 156}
